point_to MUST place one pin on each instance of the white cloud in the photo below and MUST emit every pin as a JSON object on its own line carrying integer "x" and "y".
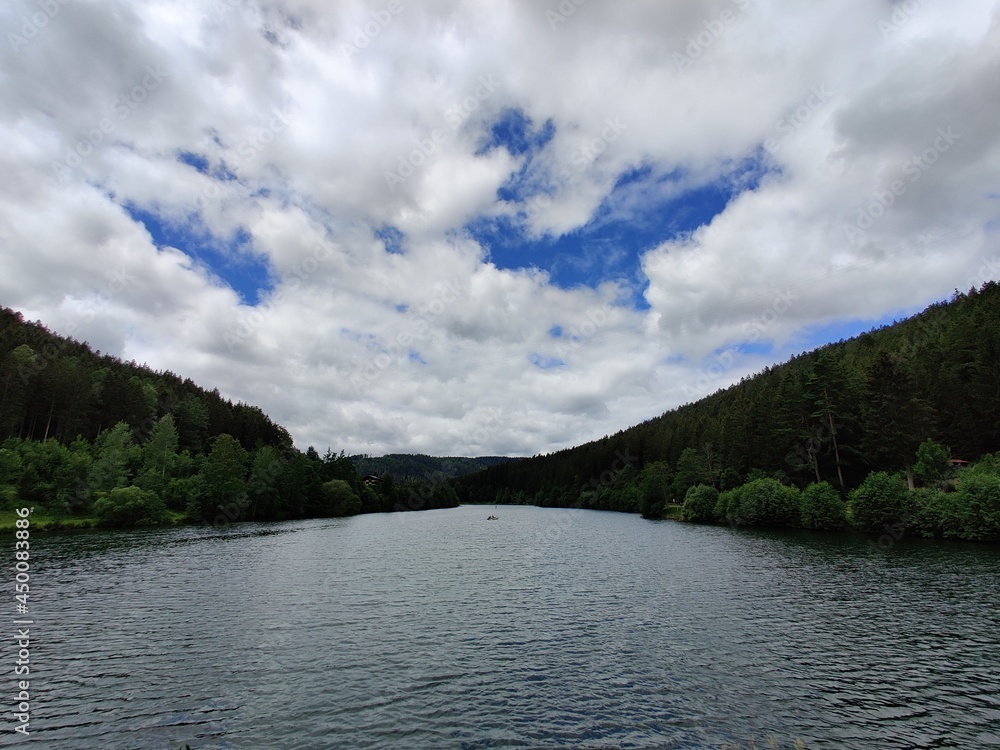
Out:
{"x": 302, "y": 108}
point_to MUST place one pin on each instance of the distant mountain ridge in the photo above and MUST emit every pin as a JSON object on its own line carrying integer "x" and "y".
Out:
{"x": 406, "y": 466}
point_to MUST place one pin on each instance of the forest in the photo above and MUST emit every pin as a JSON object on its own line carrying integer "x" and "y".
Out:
{"x": 89, "y": 439}
{"x": 893, "y": 428}
{"x": 406, "y": 466}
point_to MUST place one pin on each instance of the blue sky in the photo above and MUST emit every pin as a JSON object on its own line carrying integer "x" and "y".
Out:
{"x": 230, "y": 259}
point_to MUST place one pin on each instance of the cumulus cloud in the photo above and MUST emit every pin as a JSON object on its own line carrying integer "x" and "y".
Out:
{"x": 347, "y": 148}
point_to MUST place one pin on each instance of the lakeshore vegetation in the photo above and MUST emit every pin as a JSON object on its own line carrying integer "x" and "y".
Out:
{"x": 893, "y": 430}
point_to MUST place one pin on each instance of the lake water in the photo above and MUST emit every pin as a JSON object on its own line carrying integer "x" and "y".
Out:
{"x": 545, "y": 629}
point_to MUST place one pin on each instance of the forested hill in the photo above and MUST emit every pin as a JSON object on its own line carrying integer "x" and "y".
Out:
{"x": 834, "y": 414}
{"x": 90, "y": 439}
{"x": 404, "y": 466}
{"x": 55, "y": 387}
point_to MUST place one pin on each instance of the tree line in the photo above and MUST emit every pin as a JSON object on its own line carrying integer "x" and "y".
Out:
{"x": 405, "y": 466}
{"x": 832, "y": 417}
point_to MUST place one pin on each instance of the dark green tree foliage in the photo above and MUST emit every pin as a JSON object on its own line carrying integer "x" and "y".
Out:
{"x": 979, "y": 506}
{"x": 159, "y": 456}
{"x": 114, "y": 454}
{"x": 932, "y": 463}
{"x": 897, "y": 417}
{"x": 699, "y": 504}
{"x": 340, "y": 499}
{"x": 10, "y": 474}
{"x": 225, "y": 477}
{"x": 654, "y": 488}
{"x": 691, "y": 470}
{"x": 882, "y": 499}
{"x": 821, "y": 507}
{"x": 267, "y": 484}
{"x": 938, "y": 514}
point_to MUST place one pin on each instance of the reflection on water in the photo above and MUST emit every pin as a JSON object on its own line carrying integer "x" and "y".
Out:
{"x": 547, "y": 628}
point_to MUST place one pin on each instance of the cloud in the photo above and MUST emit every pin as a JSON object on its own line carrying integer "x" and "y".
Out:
{"x": 855, "y": 147}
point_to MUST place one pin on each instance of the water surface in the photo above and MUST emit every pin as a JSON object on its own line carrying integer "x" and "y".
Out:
{"x": 547, "y": 628}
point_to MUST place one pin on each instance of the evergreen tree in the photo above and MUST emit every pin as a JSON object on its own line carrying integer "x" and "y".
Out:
{"x": 225, "y": 483}
{"x": 690, "y": 470}
{"x": 897, "y": 417}
{"x": 111, "y": 463}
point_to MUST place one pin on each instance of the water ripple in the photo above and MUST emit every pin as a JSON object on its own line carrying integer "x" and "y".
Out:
{"x": 547, "y": 629}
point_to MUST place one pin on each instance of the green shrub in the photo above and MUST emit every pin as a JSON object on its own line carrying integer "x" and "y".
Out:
{"x": 938, "y": 514}
{"x": 130, "y": 506}
{"x": 988, "y": 464}
{"x": 881, "y": 499}
{"x": 765, "y": 502}
{"x": 699, "y": 504}
{"x": 822, "y": 507}
{"x": 932, "y": 463}
{"x": 979, "y": 498}
{"x": 340, "y": 499}
{"x": 726, "y": 504}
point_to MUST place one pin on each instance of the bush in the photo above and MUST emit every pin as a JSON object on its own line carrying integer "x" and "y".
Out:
{"x": 765, "y": 502}
{"x": 340, "y": 499}
{"x": 881, "y": 499}
{"x": 125, "y": 507}
{"x": 938, "y": 514}
{"x": 932, "y": 463}
{"x": 821, "y": 507}
{"x": 726, "y": 504}
{"x": 988, "y": 464}
{"x": 979, "y": 502}
{"x": 699, "y": 504}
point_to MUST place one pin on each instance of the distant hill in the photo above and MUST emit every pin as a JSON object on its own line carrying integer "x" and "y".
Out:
{"x": 406, "y": 466}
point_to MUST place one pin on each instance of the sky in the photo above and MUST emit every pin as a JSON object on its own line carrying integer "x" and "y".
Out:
{"x": 466, "y": 228}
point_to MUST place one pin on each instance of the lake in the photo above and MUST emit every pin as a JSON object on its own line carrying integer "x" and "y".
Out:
{"x": 547, "y": 628}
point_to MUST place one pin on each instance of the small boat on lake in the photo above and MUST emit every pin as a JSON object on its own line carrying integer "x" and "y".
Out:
{"x": 493, "y": 518}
